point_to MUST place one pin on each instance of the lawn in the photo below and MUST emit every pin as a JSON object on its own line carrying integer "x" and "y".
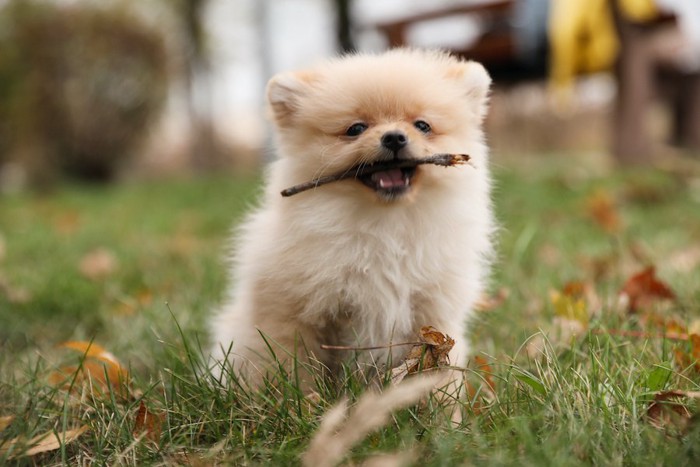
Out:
{"x": 566, "y": 372}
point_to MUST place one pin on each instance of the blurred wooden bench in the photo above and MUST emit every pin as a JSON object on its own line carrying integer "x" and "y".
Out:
{"x": 644, "y": 72}
{"x": 637, "y": 71}
{"x": 495, "y": 47}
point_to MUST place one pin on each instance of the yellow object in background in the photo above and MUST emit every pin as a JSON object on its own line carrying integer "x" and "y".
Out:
{"x": 638, "y": 11}
{"x": 582, "y": 40}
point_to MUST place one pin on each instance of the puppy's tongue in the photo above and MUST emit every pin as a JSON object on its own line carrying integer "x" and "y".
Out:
{"x": 389, "y": 178}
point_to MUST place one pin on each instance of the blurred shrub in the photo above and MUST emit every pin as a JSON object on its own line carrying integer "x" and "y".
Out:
{"x": 79, "y": 87}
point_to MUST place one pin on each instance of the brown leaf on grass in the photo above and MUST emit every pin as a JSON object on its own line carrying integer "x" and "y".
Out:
{"x": 51, "y": 441}
{"x": 575, "y": 289}
{"x": 5, "y": 421}
{"x": 487, "y": 372}
{"x": 98, "y": 264}
{"x": 98, "y": 367}
{"x": 45, "y": 442}
{"x": 668, "y": 326}
{"x": 148, "y": 423}
{"x": 688, "y": 359}
{"x": 644, "y": 289}
{"x": 432, "y": 352}
{"x": 601, "y": 267}
{"x": 481, "y": 393}
{"x": 435, "y": 338}
{"x": 667, "y": 410}
{"x": 601, "y": 208}
{"x": 570, "y": 303}
{"x": 89, "y": 349}
{"x": 571, "y": 316}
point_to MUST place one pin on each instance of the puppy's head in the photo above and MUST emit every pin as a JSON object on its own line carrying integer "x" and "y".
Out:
{"x": 400, "y": 105}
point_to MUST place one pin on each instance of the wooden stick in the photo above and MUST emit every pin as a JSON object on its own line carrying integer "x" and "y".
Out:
{"x": 444, "y": 160}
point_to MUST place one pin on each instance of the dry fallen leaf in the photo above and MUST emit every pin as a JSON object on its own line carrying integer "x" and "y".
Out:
{"x": 644, "y": 289}
{"x": 570, "y": 303}
{"x": 601, "y": 208}
{"x": 685, "y": 359}
{"x": 98, "y": 367}
{"x": 44, "y": 442}
{"x": 432, "y": 352}
{"x": 5, "y": 421}
{"x": 666, "y": 410}
{"x": 486, "y": 370}
{"x": 601, "y": 267}
{"x": 89, "y": 349}
{"x": 483, "y": 393}
{"x": 571, "y": 312}
{"x": 98, "y": 264}
{"x": 149, "y": 423}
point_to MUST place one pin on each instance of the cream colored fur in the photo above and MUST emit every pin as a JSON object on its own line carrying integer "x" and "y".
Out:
{"x": 338, "y": 264}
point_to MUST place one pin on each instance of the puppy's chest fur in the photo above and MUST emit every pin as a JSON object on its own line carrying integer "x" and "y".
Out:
{"x": 367, "y": 298}
{"x": 365, "y": 286}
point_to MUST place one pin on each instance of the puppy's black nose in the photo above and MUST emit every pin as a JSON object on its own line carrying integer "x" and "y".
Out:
{"x": 394, "y": 140}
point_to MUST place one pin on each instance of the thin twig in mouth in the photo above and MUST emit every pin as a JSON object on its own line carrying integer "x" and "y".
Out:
{"x": 444, "y": 160}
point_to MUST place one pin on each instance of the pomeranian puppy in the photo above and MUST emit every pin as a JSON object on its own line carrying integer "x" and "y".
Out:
{"x": 364, "y": 261}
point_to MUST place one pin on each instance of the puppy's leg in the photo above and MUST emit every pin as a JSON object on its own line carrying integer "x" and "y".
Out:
{"x": 258, "y": 346}
{"x": 450, "y": 388}
{"x": 450, "y": 320}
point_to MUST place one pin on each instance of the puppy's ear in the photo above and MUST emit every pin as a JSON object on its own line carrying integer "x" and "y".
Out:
{"x": 476, "y": 82}
{"x": 284, "y": 92}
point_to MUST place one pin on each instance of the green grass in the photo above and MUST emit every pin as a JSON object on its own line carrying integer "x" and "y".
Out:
{"x": 571, "y": 402}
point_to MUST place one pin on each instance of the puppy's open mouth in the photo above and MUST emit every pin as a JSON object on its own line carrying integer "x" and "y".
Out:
{"x": 387, "y": 178}
{"x": 390, "y": 182}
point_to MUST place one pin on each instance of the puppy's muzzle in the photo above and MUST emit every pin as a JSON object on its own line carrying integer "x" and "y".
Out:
{"x": 392, "y": 183}
{"x": 394, "y": 141}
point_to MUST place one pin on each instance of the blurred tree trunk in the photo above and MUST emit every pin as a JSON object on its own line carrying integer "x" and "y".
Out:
{"x": 205, "y": 152}
{"x": 345, "y": 42}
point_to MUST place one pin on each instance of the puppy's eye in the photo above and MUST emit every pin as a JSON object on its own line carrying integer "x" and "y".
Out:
{"x": 355, "y": 129}
{"x": 422, "y": 126}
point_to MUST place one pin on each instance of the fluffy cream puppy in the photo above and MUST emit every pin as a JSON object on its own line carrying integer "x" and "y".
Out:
{"x": 368, "y": 261}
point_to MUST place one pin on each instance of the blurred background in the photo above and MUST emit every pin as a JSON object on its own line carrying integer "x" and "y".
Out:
{"x": 106, "y": 89}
